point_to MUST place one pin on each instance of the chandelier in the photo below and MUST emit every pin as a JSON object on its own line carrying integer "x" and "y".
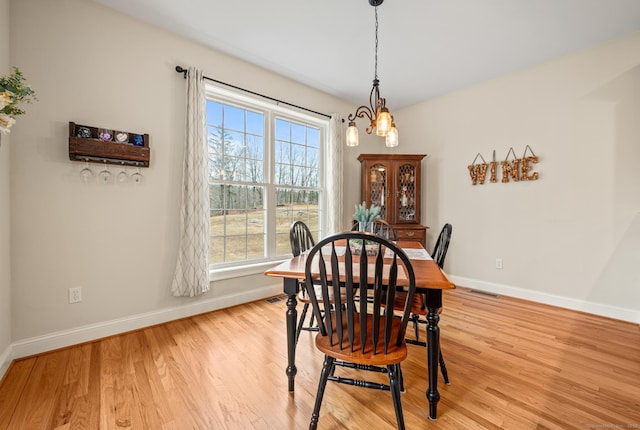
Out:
{"x": 379, "y": 117}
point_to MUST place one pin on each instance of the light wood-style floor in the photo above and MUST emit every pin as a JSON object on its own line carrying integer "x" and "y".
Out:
{"x": 513, "y": 365}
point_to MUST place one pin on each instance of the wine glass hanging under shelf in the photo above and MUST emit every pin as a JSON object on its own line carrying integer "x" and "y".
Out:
{"x": 105, "y": 175}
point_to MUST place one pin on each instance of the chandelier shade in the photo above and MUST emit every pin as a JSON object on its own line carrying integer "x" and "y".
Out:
{"x": 352, "y": 134}
{"x": 383, "y": 122}
{"x": 391, "y": 139}
{"x": 380, "y": 119}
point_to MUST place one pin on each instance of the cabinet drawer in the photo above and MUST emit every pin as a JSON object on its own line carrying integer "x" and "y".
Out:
{"x": 417, "y": 234}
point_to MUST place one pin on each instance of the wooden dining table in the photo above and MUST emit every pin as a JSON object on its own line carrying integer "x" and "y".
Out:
{"x": 430, "y": 280}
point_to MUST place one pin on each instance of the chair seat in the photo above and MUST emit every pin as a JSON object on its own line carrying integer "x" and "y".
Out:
{"x": 303, "y": 295}
{"x": 395, "y": 354}
{"x": 416, "y": 305}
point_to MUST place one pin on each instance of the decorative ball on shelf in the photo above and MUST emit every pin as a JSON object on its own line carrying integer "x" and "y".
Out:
{"x": 83, "y": 132}
{"x": 105, "y": 134}
{"x": 137, "y": 140}
{"x": 121, "y": 136}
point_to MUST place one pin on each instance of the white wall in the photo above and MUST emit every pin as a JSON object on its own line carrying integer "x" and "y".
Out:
{"x": 572, "y": 237}
{"x": 5, "y": 260}
{"x": 95, "y": 66}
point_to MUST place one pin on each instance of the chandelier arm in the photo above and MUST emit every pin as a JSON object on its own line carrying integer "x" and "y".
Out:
{"x": 374, "y": 97}
{"x": 361, "y": 112}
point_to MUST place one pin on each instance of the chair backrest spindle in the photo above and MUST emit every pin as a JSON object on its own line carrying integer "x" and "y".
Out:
{"x": 359, "y": 323}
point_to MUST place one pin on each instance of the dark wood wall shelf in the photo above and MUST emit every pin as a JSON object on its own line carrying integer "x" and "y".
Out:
{"x": 95, "y": 150}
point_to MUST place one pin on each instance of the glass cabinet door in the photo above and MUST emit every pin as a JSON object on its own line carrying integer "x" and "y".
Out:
{"x": 406, "y": 202}
{"x": 393, "y": 182}
{"x": 378, "y": 188}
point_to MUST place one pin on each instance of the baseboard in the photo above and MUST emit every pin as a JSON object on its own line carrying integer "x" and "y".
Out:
{"x": 64, "y": 338}
{"x": 5, "y": 361}
{"x": 61, "y": 339}
{"x": 614, "y": 312}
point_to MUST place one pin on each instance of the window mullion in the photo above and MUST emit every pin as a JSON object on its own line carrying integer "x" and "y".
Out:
{"x": 270, "y": 202}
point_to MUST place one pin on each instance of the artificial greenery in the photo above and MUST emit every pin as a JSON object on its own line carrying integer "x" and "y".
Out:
{"x": 13, "y": 91}
{"x": 367, "y": 216}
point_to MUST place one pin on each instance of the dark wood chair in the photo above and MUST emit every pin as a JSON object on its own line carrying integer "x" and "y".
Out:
{"x": 419, "y": 306}
{"x": 442, "y": 245}
{"x": 355, "y": 333}
{"x": 301, "y": 240}
{"x": 380, "y": 228}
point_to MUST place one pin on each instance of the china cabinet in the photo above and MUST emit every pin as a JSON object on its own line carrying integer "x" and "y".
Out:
{"x": 393, "y": 181}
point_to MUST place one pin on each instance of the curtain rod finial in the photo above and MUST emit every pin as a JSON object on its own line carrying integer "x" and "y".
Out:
{"x": 180, "y": 69}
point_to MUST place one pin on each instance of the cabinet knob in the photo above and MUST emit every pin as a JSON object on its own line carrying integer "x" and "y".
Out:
{"x": 411, "y": 233}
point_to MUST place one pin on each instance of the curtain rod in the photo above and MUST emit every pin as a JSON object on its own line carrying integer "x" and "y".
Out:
{"x": 184, "y": 71}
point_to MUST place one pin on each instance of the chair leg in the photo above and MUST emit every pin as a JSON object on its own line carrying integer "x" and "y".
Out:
{"x": 443, "y": 369}
{"x": 416, "y": 327}
{"x": 303, "y": 315}
{"x": 327, "y": 369}
{"x": 394, "y": 384}
{"x": 312, "y": 321}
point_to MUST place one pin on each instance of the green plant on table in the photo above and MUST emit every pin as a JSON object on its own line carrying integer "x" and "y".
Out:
{"x": 365, "y": 216}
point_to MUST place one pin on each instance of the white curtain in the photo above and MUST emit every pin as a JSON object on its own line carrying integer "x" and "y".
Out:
{"x": 192, "y": 268}
{"x": 334, "y": 176}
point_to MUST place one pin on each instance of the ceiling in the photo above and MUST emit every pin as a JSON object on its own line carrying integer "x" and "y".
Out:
{"x": 426, "y": 47}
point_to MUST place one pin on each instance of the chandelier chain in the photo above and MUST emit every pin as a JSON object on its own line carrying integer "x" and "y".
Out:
{"x": 376, "y": 46}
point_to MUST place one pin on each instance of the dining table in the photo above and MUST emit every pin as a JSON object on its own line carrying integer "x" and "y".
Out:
{"x": 430, "y": 281}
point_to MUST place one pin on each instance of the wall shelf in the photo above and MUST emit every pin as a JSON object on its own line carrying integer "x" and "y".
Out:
{"x": 95, "y": 150}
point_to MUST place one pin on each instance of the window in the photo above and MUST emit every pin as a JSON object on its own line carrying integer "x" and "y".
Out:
{"x": 264, "y": 173}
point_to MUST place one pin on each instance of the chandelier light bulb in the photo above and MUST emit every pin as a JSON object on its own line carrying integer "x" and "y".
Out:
{"x": 352, "y": 134}
{"x": 383, "y": 122}
{"x": 391, "y": 139}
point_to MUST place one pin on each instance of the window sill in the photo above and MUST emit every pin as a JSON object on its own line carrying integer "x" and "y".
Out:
{"x": 239, "y": 271}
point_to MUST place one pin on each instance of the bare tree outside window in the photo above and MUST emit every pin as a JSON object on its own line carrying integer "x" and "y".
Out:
{"x": 238, "y": 158}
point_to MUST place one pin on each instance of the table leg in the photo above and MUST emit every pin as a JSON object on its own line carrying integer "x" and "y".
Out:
{"x": 434, "y": 303}
{"x": 290, "y": 289}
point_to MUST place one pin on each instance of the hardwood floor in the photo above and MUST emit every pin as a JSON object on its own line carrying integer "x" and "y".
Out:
{"x": 513, "y": 365}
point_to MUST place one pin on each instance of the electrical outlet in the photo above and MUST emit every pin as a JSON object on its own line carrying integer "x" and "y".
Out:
{"x": 75, "y": 295}
{"x": 498, "y": 263}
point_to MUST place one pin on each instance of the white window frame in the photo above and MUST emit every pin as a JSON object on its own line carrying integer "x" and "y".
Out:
{"x": 272, "y": 111}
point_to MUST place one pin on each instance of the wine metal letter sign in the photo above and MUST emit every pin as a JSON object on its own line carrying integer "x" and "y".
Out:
{"x": 518, "y": 169}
